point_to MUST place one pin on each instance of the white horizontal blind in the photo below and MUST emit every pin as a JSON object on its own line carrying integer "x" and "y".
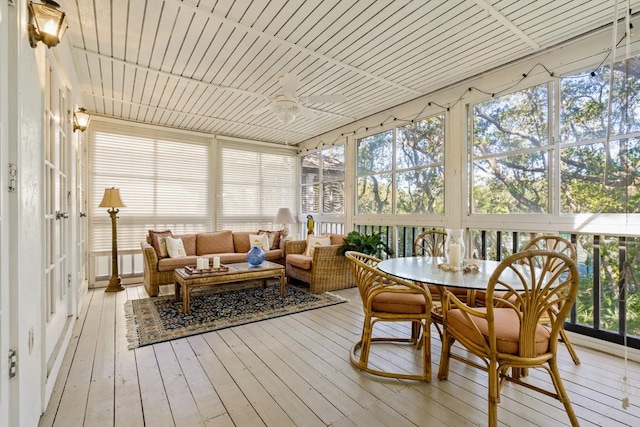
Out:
{"x": 253, "y": 185}
{"x": 164, "y": 184}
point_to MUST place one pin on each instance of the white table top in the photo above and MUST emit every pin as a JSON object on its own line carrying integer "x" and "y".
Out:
{"x": 425, "y": 270}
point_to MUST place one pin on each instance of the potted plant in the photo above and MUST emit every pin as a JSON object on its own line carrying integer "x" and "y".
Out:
{"x": 371, "y": 244}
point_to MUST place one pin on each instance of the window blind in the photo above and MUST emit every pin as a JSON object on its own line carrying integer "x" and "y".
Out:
{"x": 253, "y": 186}
{"x": 163, "y": 181}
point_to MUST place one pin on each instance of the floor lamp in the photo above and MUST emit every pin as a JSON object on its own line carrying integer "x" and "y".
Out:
{"x": 112, "y": 200}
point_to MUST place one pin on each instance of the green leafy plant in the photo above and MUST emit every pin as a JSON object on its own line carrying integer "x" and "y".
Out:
{"x": 367, "y": 244}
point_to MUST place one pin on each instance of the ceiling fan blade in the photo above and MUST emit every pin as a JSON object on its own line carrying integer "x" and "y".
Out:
{"x": 260, "y": 110}
{"x": 307, "y": 112}
{"x": 289, "y": 83}
{"x": 323, "y": 99}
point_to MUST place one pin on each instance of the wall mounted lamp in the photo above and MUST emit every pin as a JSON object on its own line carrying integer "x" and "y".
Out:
{"x": 47, "y": 23}
{"x": 81, "y": 120}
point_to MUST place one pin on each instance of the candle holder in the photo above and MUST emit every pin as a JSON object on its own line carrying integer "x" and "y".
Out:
{"x": 454, "y": 247}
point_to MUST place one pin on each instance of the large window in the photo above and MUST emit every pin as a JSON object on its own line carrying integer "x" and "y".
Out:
{"x": 322, "y": 181}
{"x": 254, "y": 185}
{"x": 511, "y": 153}
{"x": 401, "y": 170}
{"x": 163, "y": 181}
{"x": 600, "y": 175}
{"x": 512, "y": 168}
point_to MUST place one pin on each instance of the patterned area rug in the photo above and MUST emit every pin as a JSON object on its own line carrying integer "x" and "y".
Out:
{"x": 153, "y": 320}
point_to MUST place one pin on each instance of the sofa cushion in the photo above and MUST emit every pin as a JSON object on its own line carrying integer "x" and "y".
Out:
{"x": 175, "y": 247}
{"x": 241, "y": 241}
{"x": 274, "y": 255}
{"x": 274, "y": 237}
{"x": 189, "y": 242}
{"x": 170, "y": 264}
{"x": 231, "y": 258}
{"x": 158, "y": 242}
{"x": 214, "y": 243}
{"x": 260, "y": 240}
{"x": 299, "y": 260}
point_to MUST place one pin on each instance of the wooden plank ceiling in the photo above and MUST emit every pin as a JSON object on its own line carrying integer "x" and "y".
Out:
{"x": 208, "y": 65}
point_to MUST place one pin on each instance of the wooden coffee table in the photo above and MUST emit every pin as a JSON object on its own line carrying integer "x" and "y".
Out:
{"x": 185, "y": 282}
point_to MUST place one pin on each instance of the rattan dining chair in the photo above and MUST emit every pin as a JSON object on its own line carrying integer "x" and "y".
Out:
{"x": 564, "y": 246}
{"x": 389, "y": 299}
{"x": 557, "y": 244}
{"x": 507, "y": 332}
{"x": 430, "y": 243}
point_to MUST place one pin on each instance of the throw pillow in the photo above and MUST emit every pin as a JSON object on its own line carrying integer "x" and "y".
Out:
{"x": 274, "y": 238}
{"x": 314, "y": 241}
{"x": 189, "y": 242}
{"x": 175, "y": 247}
{"x": 162, "y": 244}
{"x": 155, "y": 242}
{"x": 259, "y": 240}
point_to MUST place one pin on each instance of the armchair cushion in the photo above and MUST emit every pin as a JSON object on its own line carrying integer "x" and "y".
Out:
{"x": 301, "y": 261}
{"x": 507, "y": 327}
{"x": 315, "y": 241}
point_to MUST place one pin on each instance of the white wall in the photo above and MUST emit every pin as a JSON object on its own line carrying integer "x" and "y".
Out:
{"x": 21, "y": 291}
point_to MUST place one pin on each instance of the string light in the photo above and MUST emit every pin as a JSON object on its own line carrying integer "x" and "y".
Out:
{"x": 462, "y": 96}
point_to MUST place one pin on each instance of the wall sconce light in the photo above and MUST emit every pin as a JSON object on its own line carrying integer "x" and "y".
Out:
{"x": 47, "y": 23}
{"x": 81, "y": 120}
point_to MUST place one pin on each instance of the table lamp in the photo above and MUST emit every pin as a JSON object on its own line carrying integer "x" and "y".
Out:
{"x": 284, "y": 217}
{"x": 112, "y": 200}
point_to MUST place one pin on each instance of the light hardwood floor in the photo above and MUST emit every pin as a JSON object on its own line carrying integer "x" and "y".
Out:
{"x": 295, "y": 370}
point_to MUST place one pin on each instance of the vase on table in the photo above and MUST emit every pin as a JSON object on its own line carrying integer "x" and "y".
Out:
{"x": 255, "y": 256}
{"x": 454, "y": 246}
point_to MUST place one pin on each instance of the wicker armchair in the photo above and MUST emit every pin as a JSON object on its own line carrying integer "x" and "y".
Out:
{"x": 325, "y": 271}
{"x": 506, "y": 334}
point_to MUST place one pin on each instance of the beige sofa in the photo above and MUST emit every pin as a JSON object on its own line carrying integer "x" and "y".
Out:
{"x": 230, "y": 246}
{"x": 324, "y": 271}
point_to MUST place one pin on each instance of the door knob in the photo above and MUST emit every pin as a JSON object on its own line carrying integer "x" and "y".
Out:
{"x": 64, "y": 215}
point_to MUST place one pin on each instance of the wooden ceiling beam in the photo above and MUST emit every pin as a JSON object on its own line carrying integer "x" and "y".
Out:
{"x": 484, "y": 4}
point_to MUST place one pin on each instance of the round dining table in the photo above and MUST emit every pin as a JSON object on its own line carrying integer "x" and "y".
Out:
{"x": 425, "y": 270}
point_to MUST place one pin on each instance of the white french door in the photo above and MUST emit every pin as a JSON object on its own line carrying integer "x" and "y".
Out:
{"x": 82, "y": 224}
{"x": 57, "y": 198}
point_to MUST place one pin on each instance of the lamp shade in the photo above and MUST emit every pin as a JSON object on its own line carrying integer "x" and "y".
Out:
{"x": 111, "y": 199}
{"x": 284, "y": 216}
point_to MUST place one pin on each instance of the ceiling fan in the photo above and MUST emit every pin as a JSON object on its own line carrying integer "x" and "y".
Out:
{"x": 287, "y": 105}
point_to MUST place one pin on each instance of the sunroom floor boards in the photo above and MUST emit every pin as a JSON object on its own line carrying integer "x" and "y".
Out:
{"x": 295, "y": 371}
